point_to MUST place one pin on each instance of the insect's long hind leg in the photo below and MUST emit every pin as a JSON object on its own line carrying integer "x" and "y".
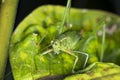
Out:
{"x": 76, "y": 59}
{"x": 87, "y": 56}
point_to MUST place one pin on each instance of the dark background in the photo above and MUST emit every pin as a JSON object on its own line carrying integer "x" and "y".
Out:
{"x": 26, "y": 6}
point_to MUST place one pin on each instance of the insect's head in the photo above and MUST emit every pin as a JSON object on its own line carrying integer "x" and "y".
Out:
{"x": 56, "y": 46}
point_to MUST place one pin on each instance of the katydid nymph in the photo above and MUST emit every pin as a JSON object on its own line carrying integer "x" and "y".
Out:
{"x": 66, "y": 41}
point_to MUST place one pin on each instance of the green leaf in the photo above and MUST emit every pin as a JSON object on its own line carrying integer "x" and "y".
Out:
{"x": 35, "y": 33}
{"x": 99, "y": 71}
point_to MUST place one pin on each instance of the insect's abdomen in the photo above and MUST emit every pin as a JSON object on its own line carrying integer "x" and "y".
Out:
{"x": 69, "y": 39}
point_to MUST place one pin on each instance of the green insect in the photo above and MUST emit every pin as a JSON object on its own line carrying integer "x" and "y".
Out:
{"x": 31, "y": 58}
{"x": 67, "y": 42}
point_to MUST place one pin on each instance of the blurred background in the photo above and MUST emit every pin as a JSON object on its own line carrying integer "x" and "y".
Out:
{"x": 27, "y": 6}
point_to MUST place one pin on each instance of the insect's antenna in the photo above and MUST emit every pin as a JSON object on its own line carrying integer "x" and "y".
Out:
{"x": 100, "y": 22}
{"x": 96, "y": 29}
{"x": 87, "y": 42}
{"x": 44, "y": 36}
{"x": 46, "y": 33}
{"x": 46, "y": 47}
{"x": 67, "y": 11}
{"x": 103, "y": 42}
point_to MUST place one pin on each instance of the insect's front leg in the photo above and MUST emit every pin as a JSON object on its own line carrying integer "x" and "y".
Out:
{"x": 46, "y": 52}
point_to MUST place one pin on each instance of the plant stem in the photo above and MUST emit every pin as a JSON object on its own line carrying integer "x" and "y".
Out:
{"x": 7, "y": 18}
